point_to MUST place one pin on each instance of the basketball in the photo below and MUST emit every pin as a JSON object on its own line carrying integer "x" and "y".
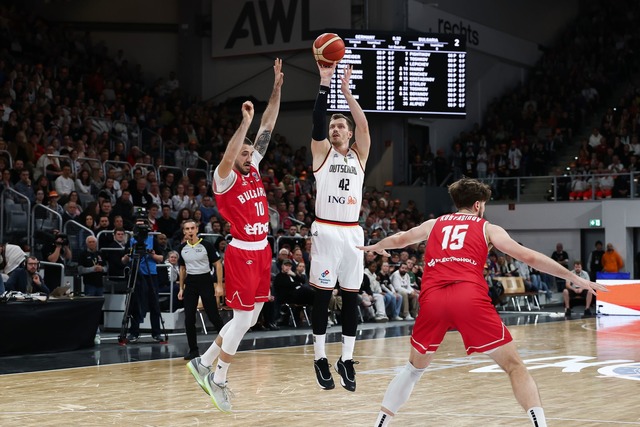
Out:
{"x": 328, "y": 48}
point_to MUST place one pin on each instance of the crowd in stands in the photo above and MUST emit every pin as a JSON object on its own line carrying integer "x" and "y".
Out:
{"x": 83, "y": 134}
{"x": 526, "y": 129}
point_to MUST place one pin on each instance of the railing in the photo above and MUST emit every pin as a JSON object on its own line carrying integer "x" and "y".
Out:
{"x": 83, "y": 160}
{"x": 56, "y": 265}
{"x": 78, "y": 242}
{"x": 557, "y": 188}
{"x": 10, "y": 192}
{"x": 127, "y": 132}
{"x": 147, "y": 166}
{"x": 52, "y": 221}
{"x": 125, "y": 169}
{"x": 8, "y": 156}
{"x": 173, "y": 169}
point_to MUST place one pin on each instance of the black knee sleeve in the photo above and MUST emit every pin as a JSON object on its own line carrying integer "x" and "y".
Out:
{"x": 349, "y": 313}
{"x": 320, "y": 307}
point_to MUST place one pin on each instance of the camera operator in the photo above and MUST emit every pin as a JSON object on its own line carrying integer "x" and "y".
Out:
{"x": 57, "y": 251}
{"x": 145, "y": 295}
{"x": 92, "y": 267}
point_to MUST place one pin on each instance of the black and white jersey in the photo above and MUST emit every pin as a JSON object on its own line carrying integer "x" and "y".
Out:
{"x": 198, "y": 258}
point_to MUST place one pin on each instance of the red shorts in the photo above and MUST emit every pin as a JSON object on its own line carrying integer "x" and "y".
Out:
{"x": 465, "y": 307}
{"x": 247, "y": 275}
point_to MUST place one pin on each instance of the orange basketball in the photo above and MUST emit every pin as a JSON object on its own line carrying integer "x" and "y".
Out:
{"x": 328, "y": 48}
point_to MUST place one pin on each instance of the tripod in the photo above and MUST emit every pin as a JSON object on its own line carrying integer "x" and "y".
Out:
{"x": 138, "y": 251}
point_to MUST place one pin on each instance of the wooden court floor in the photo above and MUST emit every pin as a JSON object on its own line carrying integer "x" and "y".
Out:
{"x": 587, "y": 371}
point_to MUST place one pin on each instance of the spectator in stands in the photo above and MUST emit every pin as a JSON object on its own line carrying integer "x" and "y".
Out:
{"x": 612, "y": 262}
{"x": 288, "y": 287}
{"x": 57, "y": 251}
{"x": 23, "y": 186}
{"x": 384, "y": 278}
{"x": 53, "y": 202}
{"x": 561, "y": 257}
{"x": 166, "y": 223}
{"x": 71, "y": 212}
{"x": 402, "y": 285}
{"x": 139, "y": 194}
{"x": 65, "y": 184}
{"x": 570, "y": 291}
{"x": 180, "y": 199}
{"x": 380, "y": 300}
{"x": 92, "y": 267}
{"x": 83, "y": 182}
{"x": 208, "y": 209}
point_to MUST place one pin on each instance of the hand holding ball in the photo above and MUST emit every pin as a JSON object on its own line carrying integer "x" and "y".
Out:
{"x": 328, "y": 48}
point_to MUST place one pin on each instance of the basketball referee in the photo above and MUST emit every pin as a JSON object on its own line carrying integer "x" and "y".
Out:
{"x": 198, "y": 261}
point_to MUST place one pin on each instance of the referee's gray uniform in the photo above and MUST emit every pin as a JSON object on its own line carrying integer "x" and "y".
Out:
{"x": 198, "y": 260}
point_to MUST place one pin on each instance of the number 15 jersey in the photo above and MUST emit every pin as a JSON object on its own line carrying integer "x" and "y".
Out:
{"x": 456, "y": 251}
{"x": 339, "y": 182}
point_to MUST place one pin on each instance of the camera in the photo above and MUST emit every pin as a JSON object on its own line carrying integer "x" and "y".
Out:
{"x": 62, "y": 239}
{"x": 141, "y": 228}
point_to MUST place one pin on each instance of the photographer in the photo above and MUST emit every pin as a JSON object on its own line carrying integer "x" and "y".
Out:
{"x": 57, "y": 251}
{"x": 145, "y": 295}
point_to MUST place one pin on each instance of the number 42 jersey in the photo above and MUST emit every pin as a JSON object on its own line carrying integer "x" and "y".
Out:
{"x": 339, "y": 182}
{"x": 456, "y": 251}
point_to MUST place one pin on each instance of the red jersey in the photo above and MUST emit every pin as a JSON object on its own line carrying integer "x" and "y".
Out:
{"x": 456, "y": 251}
{"x": 244, "y": 204}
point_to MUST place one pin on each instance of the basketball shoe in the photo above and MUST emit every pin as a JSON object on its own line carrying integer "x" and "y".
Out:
{"x": 347, "y": 373}
{"x": 220, "y": 394}
{"x": 199, "y": 372}
{"x": 323, "y": 374}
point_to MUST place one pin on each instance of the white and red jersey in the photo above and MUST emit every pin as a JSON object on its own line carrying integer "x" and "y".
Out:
{"x": 242, "y": 201}
{"x": 456, "y": 251}
{"x": 339, "y": 182}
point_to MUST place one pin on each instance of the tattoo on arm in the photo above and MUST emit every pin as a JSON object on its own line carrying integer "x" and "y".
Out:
{"x": 262, "y": 142}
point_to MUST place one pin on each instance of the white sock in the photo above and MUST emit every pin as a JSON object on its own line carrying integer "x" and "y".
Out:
{"x": 348, "y": 343}
{"x": 210, "y": 355}
{"x": 318, "y": 346}
{"x": 220, "y": 376}
{"x": 400, "y": 387}
{"x": 536, "y": 415}
{"x": 383, "y": 419}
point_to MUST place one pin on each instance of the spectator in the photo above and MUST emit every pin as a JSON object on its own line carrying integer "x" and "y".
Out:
{"x": 595, "y": 261}
{"x": 65, "y": 184}
{"x": 114, "y": 253}
{"x": 402, "y": 285}
{"x": 23, "y": 186}
{"x": 380, "y": 300}
{"x": 561, "y": 257}
{"x": 571, "y": 291}
{"x": 612, "y": 262}
{"x": 92, "y": 267}
{"x": 166, "y": 223}
{"x": 288, "y": 287}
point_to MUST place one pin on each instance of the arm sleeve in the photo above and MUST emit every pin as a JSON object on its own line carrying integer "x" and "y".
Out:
{"x": 319, "y": 131}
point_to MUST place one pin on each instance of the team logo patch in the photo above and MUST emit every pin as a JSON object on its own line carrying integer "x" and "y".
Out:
{"x": 249, "y": 261}
{"x": 255, "y": 176}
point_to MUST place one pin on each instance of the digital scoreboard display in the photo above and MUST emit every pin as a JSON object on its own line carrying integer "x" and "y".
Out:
{"x": 422, "y": 74}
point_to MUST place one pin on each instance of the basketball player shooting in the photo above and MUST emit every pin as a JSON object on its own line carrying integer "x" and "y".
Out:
{"x": 243, "y": 202}
{"x": 454, "y": 294}
{"x": 339, "y": 172}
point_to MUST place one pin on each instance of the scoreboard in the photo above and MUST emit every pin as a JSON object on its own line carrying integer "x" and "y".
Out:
{"x": 422, "y": 74}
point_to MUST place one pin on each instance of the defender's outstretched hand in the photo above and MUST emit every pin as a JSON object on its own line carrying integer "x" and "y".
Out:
{"x": 374, "y": 248}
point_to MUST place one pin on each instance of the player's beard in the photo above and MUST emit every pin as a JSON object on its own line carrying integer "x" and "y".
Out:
{"x": 244, "y": 170}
